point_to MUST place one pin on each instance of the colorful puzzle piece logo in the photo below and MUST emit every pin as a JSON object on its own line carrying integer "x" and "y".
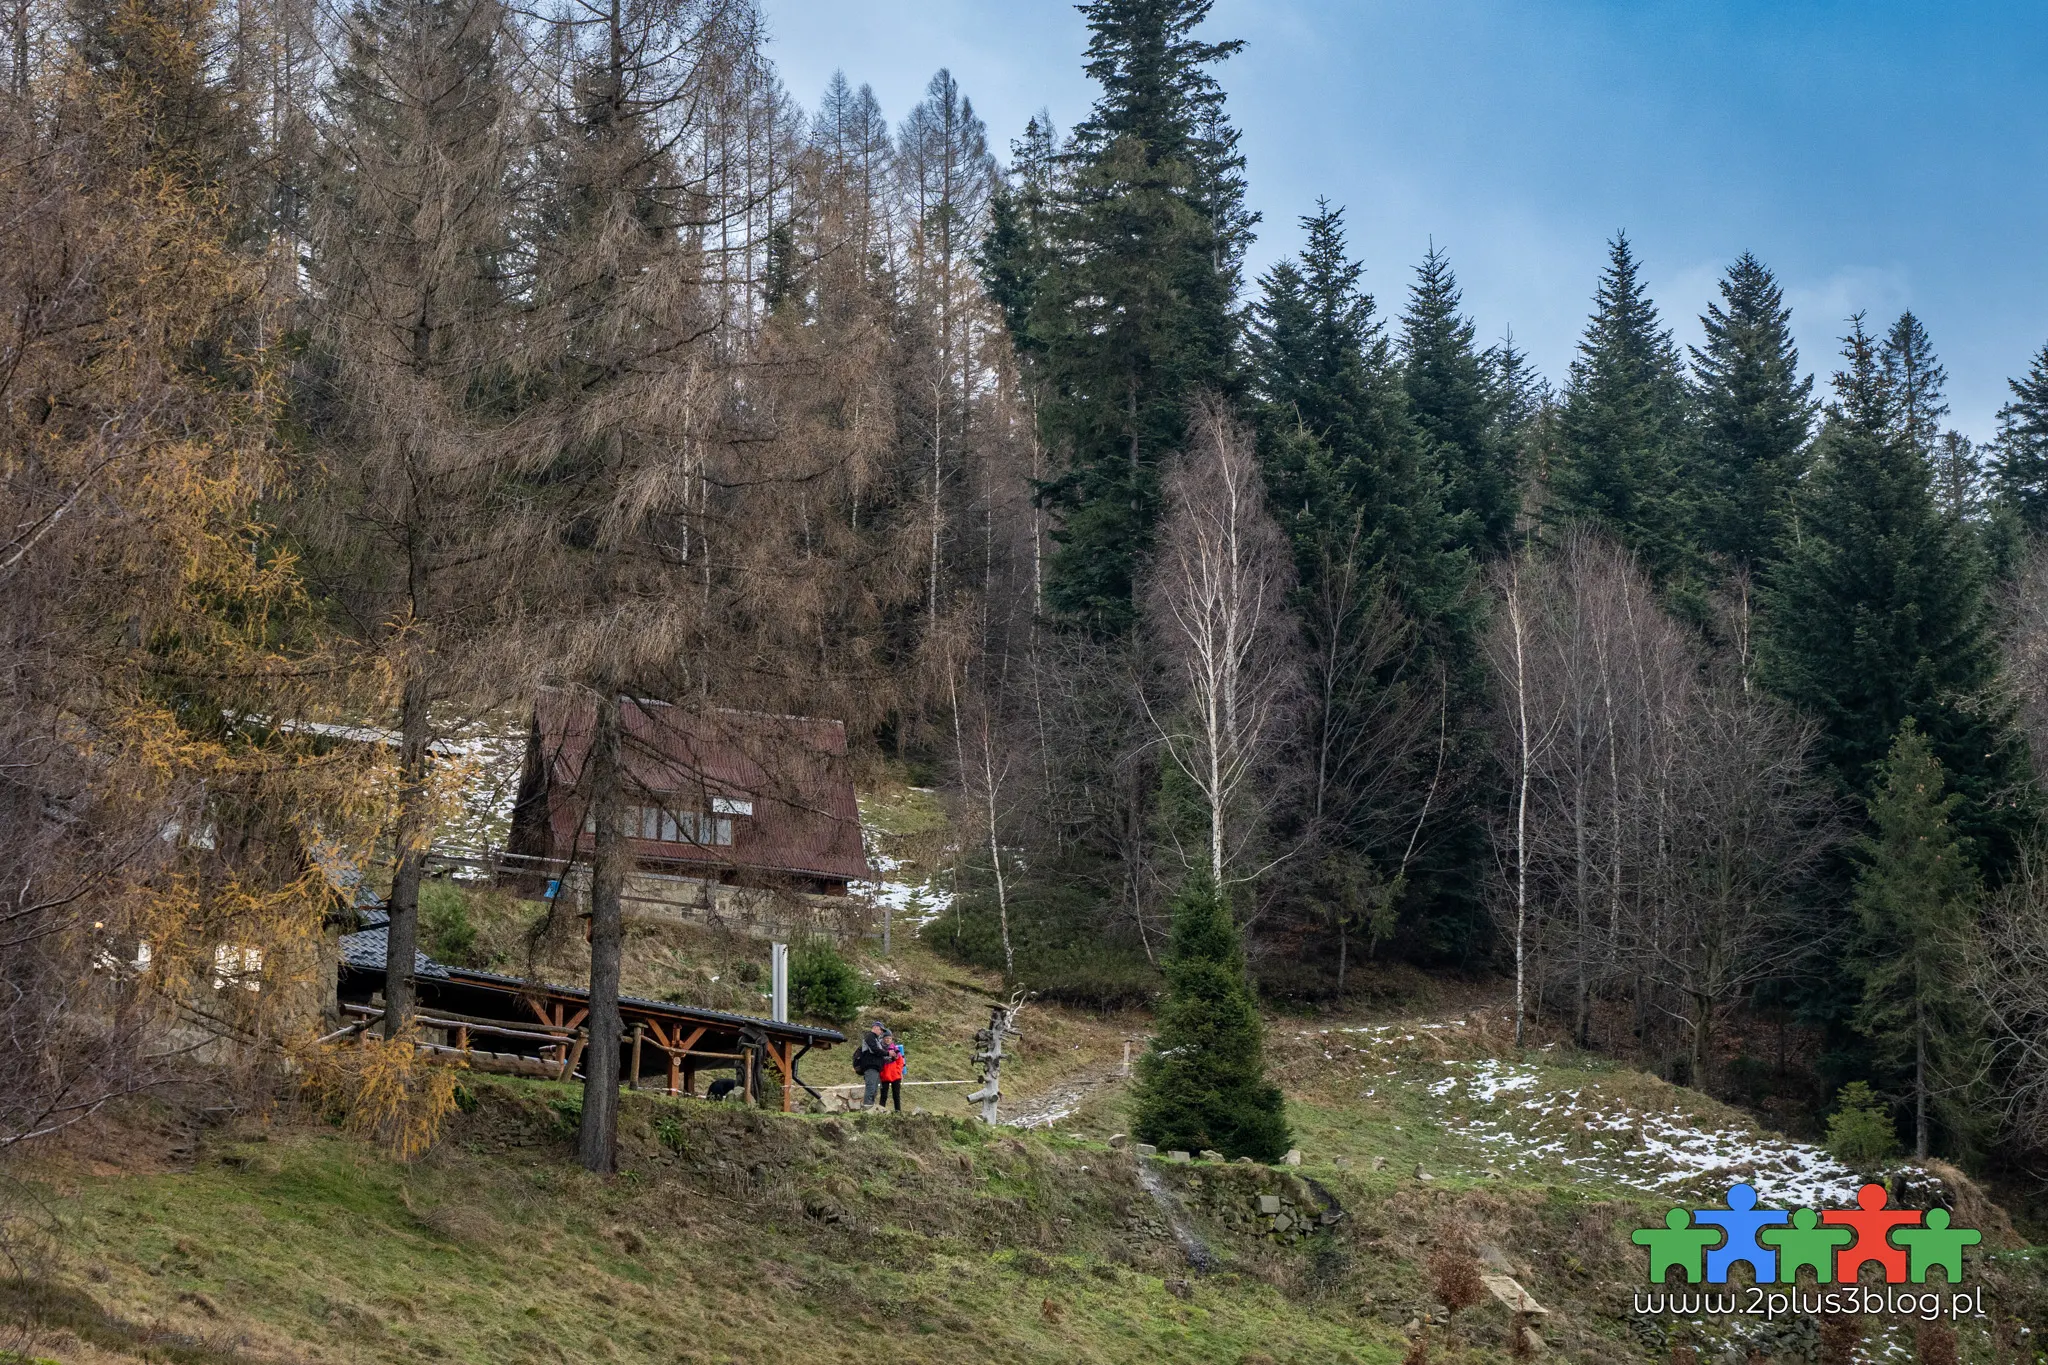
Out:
{"x": 1835, "y": 1244}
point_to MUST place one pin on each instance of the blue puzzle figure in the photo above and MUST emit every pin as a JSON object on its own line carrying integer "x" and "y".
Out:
{"x": 1740, "y": 1220}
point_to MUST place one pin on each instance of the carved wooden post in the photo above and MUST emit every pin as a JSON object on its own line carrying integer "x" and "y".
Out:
{"x": 988, "y": 1050}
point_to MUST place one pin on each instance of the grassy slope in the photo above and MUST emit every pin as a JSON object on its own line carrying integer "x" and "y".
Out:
{"x": 747, "y": 1237}
{"x": 740, "y": 1236}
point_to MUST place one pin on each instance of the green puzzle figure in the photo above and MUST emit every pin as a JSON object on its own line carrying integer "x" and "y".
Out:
{"x": 1806, "y": 1243}
{"x": 1676, "y": 1244}
{"x": 1937, "y": 1244}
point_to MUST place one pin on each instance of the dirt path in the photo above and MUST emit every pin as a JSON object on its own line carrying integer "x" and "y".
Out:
{"x": 1063, "y": 1099}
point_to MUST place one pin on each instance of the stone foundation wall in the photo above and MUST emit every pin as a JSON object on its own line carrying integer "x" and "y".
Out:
{"x": 786, "y": 916}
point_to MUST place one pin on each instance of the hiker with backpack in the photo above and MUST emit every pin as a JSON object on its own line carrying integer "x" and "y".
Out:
{"x": 869, "y": 1059}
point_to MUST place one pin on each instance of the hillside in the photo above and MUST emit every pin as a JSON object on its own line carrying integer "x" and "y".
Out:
{"x": 737, "y": 1236}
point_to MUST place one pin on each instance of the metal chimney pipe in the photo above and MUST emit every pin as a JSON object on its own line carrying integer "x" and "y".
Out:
{"x": 778, "y": 973}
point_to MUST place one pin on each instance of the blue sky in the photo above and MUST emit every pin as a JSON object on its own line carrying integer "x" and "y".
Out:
{"x": 1877, "y": 155}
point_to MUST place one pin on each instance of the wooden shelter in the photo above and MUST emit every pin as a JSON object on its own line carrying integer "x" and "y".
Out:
{"x": 504, "y": 1023}
{"x": 740, "y": 798}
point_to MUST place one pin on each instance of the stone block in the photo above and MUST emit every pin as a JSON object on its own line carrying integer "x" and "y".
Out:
{"x": 1269, "y": 1203}
{"x": 1117, "y": 1141}
{"x": 1179, "y": 1158}
{"x": 1293, "y": 1157}
{"x": 1207, "y": 1154}
{"x": 1147, "y": 1149}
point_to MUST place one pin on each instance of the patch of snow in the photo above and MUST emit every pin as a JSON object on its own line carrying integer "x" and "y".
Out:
{"x": 1657, "y": 1153}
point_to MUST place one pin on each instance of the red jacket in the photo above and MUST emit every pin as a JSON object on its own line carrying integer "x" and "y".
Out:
{"x": 892, "y": 1070}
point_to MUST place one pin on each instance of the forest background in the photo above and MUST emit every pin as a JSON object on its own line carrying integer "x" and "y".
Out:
{"x": 384, "y": 364}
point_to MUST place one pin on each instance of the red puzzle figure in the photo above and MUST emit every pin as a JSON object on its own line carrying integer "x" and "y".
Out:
{"x": 1873, "y": 1223}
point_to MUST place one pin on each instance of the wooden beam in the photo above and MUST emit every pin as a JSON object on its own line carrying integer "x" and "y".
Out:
{"x": 633, "y": 1081}
{"x": 781, "y": 1056}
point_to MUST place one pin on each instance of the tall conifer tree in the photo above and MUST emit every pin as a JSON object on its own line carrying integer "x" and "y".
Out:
{"x": 1452, "y": 405}
{"x": 2020, "y": 466}
{"x": 1756, "y": 415}
{"x": 1914, "y": 909}
{"x": 1878, "y": 613}
{"x": 1136, "y": 314}
{"x": 1622, "y": 458}
{"x": 1916, "y": 378}
{"x": 1351, "y": 485}
{"x": 1014, "y": 254}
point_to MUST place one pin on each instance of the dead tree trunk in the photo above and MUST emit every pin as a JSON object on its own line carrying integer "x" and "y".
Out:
{"x": 401, "y": 937}
{"x": 988, "y": 1050}
{"x": 597, "y": 1137}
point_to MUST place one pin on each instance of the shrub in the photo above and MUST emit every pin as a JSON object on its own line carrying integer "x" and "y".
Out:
{"x": 1860, "y": 1132}
{"x": 1454, "y": 1275}
{"x": 1203, "y": 1083}
{"x": 447, "y": 933}
{"x": 823, "y": 985}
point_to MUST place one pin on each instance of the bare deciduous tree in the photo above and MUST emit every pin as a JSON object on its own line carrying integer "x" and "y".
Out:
{"x": 416, "y": 313}
{"x": 1217, "y": 610}
{"x": 1660, "y": 823}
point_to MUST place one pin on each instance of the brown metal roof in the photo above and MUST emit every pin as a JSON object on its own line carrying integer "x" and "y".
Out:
{"x": 793, "y": 769}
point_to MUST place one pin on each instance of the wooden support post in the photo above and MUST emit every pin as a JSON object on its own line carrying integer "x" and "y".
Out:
{"x": 689, "y": 1074}
{"x": 781, "y": 1056}
{"x": 672, "y": 1069}
{"x": 747, "y": 1060}
{"x": 633, "y": 1078}
{"x": 462, "y": 1038}
{"x": 575, "y": 1055}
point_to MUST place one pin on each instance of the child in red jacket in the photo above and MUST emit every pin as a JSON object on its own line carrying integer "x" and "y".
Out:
{"x": 892, "y": 1075}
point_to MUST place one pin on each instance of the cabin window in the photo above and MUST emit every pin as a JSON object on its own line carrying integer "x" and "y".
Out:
{"x": 235, "y": 965}
{"x": 658, "y": 825}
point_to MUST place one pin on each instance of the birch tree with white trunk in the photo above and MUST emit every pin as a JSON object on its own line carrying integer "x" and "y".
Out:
{"x": 1218, "y": 613}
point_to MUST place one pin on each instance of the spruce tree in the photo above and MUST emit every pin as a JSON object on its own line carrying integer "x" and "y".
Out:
{"x": 2020, "y": 465}
{"x": 1915, "y": 909}
{"x": 1878, "y": 613}
{"x": 1622, "y": 457}
{"x": 1202, "y": 1083}
{"x": 1755, "y": 417}
{"x": 1916, "y": 380}
{"x": 1452, "y": 404}
{"x": 1015, "y": 252}
{"x": 1351, "y": 485}
{"x": 1135, "y": 316}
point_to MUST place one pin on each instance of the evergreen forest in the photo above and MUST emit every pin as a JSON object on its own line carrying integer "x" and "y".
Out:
{"x": 1271, "y": 635}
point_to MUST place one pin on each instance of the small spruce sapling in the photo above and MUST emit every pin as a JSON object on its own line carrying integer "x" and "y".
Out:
{"x": 1202, "y": 1083}
{"x": 823, "y": 985}
{"x": 1860, "y": 1132}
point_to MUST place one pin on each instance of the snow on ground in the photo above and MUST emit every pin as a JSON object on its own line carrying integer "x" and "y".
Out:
{"x": 1602, "y": 1138}
{"x": 1525, "y": 1116}
{"x": 918, "y": 903}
